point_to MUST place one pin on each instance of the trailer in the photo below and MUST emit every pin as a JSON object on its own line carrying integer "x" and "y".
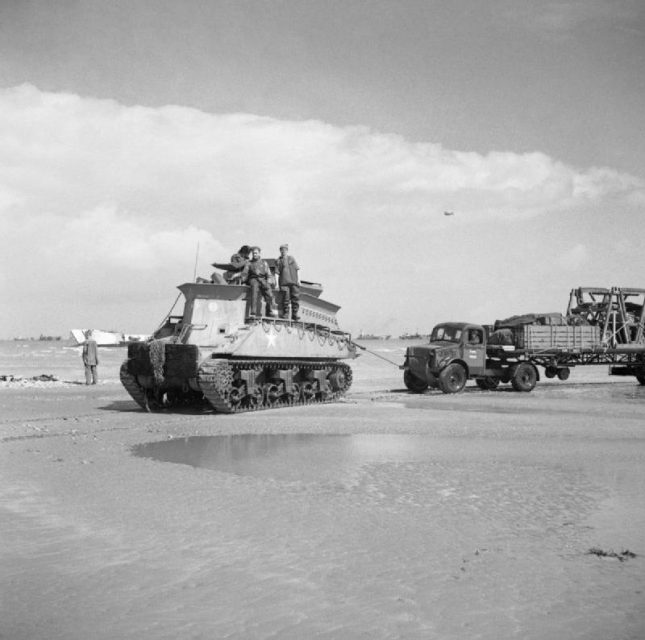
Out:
{"x": 601, "y": 326}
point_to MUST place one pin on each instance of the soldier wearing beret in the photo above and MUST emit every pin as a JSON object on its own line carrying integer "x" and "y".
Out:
{"x": 257, "y": 274}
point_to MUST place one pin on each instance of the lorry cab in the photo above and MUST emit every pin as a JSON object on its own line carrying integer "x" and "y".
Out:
{"x": 456, "y": 352}
{"x": 470, "y": 349}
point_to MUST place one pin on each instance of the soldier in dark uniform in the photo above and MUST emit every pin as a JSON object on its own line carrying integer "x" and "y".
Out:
{"x": 233, "y": 268}
{"x": 257, "y": 275}
{"x": 287, "y": 269}
{"x": 90, "y": 358}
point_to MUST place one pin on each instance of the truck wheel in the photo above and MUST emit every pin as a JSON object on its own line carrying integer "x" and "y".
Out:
{"x": 433, "y": 381}
{"x": 489, "y": 383}
{"x": 564, "y": 373}
{"x": 524, "y": 377}
{"x": 453, "y": 378}
{"x": 413, "y": 383}
{"x": 550, "y": 371}
{"x": 641, "y": 378}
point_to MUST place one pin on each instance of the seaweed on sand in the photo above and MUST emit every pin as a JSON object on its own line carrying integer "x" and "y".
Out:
{"x": 601, "y": 553}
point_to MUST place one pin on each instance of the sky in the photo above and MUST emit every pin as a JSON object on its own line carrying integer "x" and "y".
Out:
{"x": 142, "y": 140}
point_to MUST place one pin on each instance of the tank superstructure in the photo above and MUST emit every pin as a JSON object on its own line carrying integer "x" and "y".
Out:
{"x": 215, "y": 353}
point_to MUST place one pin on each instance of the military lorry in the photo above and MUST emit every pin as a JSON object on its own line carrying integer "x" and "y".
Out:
{"x": 601, "y": 326}
{"x": 216, "y": 355}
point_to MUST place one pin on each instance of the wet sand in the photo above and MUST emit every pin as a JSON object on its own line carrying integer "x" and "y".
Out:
{"x": 465, "y": 516}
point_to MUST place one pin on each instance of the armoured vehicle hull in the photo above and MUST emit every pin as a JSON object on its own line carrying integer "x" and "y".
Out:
{"x": 215, "y": 355}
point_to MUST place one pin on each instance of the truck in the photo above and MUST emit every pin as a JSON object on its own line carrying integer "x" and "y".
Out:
{"x": 601, "y": 326}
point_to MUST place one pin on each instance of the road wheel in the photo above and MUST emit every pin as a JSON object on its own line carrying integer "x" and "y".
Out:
{"x": 337, "y": 380}
{"x": 236, "y": 394}
{"x": 272, "y": 393}
{"x": 524, "y": 377}
{"x": 453, "y": 378}
{"x": 308, "y": 391}
{"x": 255, "y": 399}
{"x": 564, "y": 373}
{"x": 413, "y": 383}
{"x": 489, "y": 383}
{"x": 550, "y": 371}
{"x": 292, "y": 396}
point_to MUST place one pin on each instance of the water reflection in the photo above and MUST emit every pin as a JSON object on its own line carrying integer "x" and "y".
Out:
{"x": 307, "y": 457}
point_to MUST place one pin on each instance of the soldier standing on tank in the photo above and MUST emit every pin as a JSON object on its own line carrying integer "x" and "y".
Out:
{"x": 90, "y": 358}
{"x": 287, "y": 269}
{"x": 257, "y": 275}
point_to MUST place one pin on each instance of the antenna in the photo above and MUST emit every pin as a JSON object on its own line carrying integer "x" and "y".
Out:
{"x": 196, "y": 259}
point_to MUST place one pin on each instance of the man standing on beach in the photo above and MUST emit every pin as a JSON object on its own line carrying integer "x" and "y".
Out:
{"x": 90, "y": 358}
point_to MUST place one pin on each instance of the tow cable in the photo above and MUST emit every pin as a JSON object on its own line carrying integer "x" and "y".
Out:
{"x": 396, "y": 364}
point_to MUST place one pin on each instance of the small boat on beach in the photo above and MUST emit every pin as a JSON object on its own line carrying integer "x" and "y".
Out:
{"x": 108, "y": 338}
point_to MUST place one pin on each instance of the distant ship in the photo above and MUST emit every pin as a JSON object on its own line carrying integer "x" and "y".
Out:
{"x": 108, "y": 338}
{"x": 372, "y": 336}
{"x": 412, "y": 336}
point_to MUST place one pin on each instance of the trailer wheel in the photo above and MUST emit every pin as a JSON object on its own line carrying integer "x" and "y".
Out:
{"x": 453, "y": 378}
{"x": 564, "y": 373}
{"x": 550, "y": 371}
{"x": 413, "y": 383}
{"x": 524, "y": 377}
{"x": 641, "y": 378}
{"x": 489, "y": 383}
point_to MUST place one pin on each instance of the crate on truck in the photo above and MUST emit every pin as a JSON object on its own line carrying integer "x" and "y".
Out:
{"x": 537, "y": 338}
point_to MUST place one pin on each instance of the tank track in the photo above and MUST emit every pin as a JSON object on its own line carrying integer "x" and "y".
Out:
{"x": 225, "y": 384}
{"x": 131, "y": 385}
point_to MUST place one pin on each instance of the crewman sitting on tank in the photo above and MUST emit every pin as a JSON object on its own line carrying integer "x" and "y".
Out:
{"x": 257, "y": 275}
{"x": 233, "y": 268}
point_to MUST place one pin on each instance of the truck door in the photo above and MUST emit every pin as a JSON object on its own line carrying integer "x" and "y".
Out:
{"x": 475, "y": 351}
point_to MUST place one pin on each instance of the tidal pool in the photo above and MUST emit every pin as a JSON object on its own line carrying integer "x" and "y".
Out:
{"x": 291, "y": 457}
{"x": 510, "y": 479}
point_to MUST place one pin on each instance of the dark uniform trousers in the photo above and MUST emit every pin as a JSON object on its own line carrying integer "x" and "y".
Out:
{"x": 259, "y": 286}
{"x": 291, "y": 293}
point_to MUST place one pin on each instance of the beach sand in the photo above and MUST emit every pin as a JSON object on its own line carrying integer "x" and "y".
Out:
{"x": 468, "y": 516}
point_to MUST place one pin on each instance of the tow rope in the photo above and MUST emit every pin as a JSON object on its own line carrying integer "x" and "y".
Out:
{"x": 396, "y": 364}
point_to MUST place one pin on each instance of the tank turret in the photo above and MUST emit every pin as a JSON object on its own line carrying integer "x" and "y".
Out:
{"x": 218, "y": 355}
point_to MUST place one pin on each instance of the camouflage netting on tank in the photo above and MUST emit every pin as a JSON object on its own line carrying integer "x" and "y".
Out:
{"x": 158, "y": 360}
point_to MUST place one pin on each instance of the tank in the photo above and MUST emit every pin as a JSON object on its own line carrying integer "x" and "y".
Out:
{"x": 215, "y": 355}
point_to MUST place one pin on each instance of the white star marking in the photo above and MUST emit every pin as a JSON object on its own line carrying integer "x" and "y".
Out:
{"x": 271, "y": 338}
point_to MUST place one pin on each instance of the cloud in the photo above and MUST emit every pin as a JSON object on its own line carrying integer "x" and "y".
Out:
{"x": 65, "y": 154}
{"x": 99, "y": 196}
{"x": 108, "y": 253}
{"x": 115, "y": 241}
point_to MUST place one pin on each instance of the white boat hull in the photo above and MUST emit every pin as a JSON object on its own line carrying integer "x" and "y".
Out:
{"x": 108, "y": 338}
